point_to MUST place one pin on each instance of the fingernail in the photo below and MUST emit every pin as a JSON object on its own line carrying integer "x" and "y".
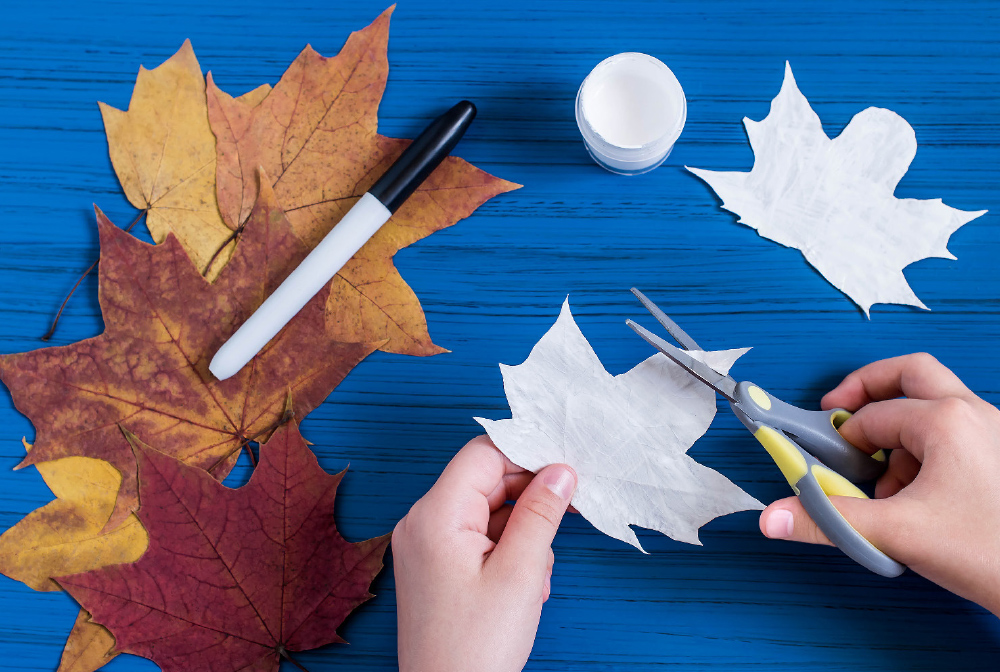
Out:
{"x": 560, "y": 480}
{"x": 779, "y": 524}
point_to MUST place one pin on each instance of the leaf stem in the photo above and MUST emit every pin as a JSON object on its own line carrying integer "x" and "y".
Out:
{"x": 283, "y": 652}
{"x": 230, "y": 238}
{"x": 253, "y": 458}
{"x": 55, "y": 321}
{"x": 245, "y": 443}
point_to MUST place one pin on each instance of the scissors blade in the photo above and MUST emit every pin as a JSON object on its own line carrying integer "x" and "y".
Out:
{"x": 678, "y": 334}
{"x": 723, "y": 384}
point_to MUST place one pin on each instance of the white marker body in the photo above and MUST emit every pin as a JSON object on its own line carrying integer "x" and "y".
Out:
{"x": 318, "y": 268}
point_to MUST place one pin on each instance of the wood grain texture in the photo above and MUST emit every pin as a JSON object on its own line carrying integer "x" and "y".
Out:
{"x": 493, "y": 284}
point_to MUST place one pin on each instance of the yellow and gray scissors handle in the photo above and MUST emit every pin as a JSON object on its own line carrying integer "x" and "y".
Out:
{"x": 815, "y": 431}
{"x": 814, "y": 483}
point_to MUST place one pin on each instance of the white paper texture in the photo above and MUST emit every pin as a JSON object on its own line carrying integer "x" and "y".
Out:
{"x": 626, "y": 436}
{"x": 833, "y": 199}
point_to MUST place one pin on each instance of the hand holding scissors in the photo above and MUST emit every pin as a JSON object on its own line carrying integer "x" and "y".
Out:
{"x": 811, "y": 454}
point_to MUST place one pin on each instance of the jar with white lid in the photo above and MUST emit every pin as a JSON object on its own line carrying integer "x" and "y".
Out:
{"x": 630, "y": 110}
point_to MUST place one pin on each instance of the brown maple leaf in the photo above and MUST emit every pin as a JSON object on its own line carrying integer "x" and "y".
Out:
{"x": 233, "y": 579}
{"x": 149, "y": 369}
{"x": 163, "y": 152}
{"x": 316, "y": 134}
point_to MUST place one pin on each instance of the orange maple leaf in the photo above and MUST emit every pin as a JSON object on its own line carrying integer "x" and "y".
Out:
{"x": 148, "y": 371}
{"x": 316, "y": 134}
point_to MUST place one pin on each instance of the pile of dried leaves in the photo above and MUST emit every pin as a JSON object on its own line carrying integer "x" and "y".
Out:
{"x": 171, "y": 564}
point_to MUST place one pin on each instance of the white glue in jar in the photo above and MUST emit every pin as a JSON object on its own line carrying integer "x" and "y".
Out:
{"x": 631, "y": 110}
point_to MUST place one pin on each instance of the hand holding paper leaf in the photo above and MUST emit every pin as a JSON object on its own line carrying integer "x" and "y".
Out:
{"x": 626, "y": 436}
{"x": 833, "y": 199}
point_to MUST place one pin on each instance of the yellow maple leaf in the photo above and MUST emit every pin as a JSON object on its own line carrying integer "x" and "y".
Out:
{"x": 89, "y": 647}
{"x": 163, "y": 152}
{"x": 67, "y": 535}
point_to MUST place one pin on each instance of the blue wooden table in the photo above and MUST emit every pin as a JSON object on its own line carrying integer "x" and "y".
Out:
{"x": 493, "y": 284}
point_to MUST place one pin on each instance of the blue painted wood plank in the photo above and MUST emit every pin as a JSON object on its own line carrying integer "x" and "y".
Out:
{"x": 493, "y": 284}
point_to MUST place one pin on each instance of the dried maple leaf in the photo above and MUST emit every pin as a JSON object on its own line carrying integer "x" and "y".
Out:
{"x": 89, "y": 647}
{"x": 316, "y": 134}
{"x": 233, "y": 579}
{"x": 68, "y": 535}
{"x": 149, "y": 369}
{"x": 833, "y": 199}
{"x": 626, "y": 436}
{"x": 163, "y": 152}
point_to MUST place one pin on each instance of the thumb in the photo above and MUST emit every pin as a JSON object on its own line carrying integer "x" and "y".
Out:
{"x": 527, "y": 538}
{"x": 877, "y": 520}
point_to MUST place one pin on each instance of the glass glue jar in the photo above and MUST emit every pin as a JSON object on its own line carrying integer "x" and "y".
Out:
{"x": 630, "y": 110}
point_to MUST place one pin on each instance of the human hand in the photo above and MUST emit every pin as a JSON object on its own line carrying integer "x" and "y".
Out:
{"x": 472, "y": 572}
{"x": 937, "y": 507}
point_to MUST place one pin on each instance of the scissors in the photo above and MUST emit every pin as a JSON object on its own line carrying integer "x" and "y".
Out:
{"x": 811, "y": 454}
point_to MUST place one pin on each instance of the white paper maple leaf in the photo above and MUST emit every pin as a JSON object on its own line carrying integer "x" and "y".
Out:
{"x": 833, "y": 199}
{"x": 626, "y": 436}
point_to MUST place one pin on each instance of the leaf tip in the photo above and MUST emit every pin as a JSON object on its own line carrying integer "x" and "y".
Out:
{"x": 788, "y": 72}
{"x": 185, "y": 56}
{"x": 132, "y": 439}
{"x": 507, "y": 186}
{"x": 288, "y": 413}
{"x": 966, "y": 216}
{"x": 108, "y": 114}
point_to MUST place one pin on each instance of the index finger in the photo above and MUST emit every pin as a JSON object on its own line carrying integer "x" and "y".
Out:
{"x": 916, "y": 376}
{"x": 892, "y": 424}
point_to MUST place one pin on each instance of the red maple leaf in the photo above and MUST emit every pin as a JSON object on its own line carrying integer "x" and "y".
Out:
{"x": 233, "y": 579}
{"x": 148, "y": 371}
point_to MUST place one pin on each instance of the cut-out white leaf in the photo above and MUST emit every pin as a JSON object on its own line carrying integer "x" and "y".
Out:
{"x": 833, "y": 199}
{"x": 626, "y": 435}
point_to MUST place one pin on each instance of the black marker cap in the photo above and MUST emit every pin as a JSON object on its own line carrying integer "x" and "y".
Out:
{"x": 422, "y": 156}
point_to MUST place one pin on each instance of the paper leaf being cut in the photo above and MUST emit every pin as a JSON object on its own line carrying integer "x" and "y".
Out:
{"x": 316, "y": 135}
{"x": 148, "y": 371}
{"x": 833, "y": 199}
{"x": 233, "y": 579}
{"x": 626, "y": 436}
